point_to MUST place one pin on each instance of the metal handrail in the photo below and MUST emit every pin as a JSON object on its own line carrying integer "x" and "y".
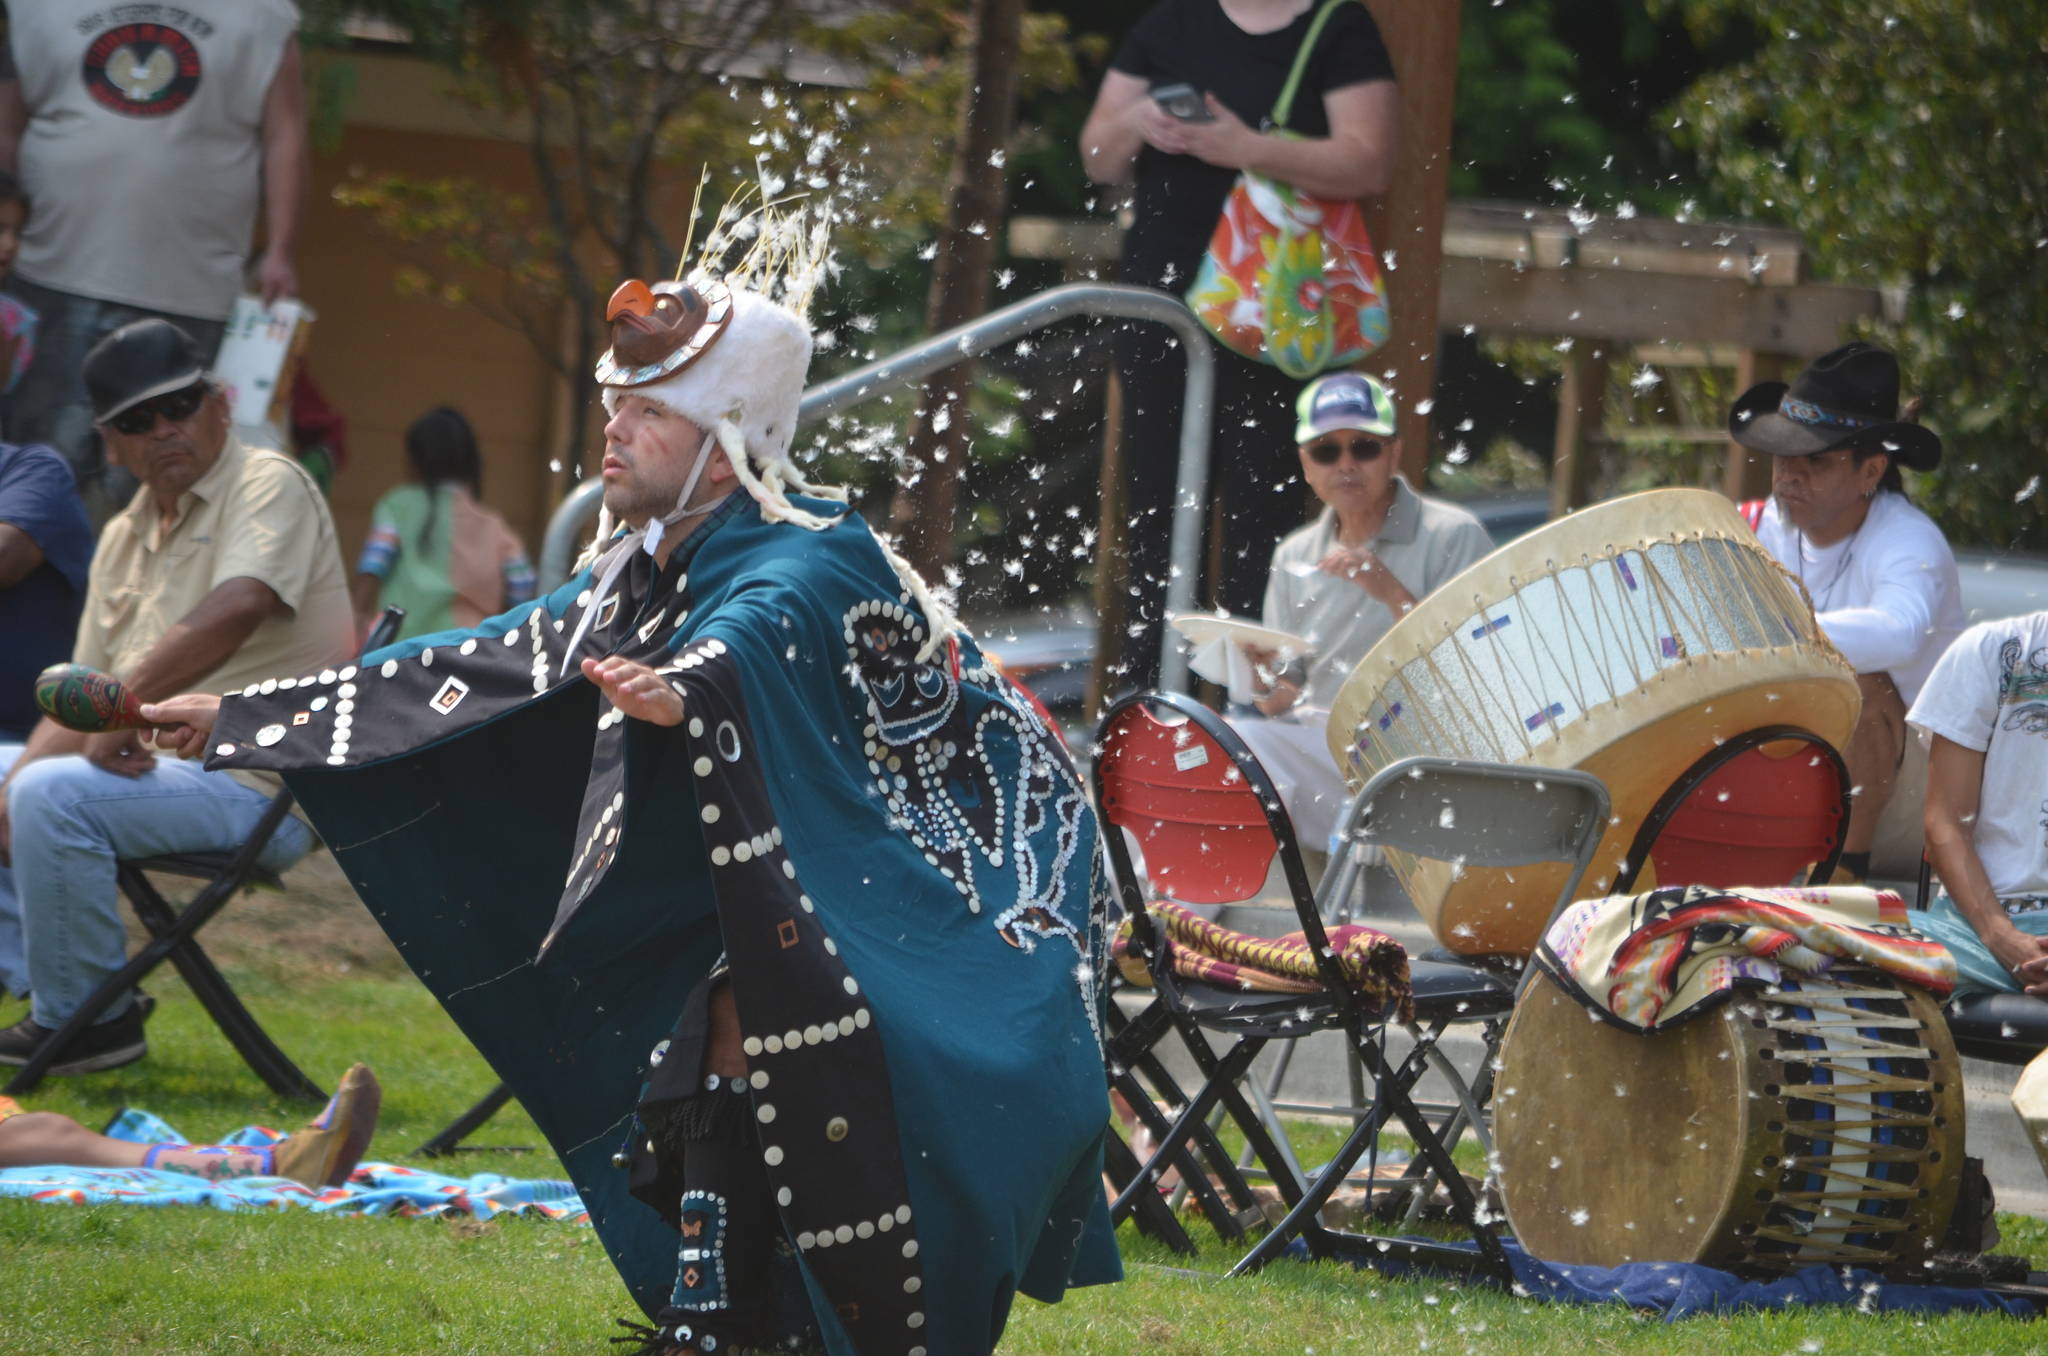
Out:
{"x": 971, "y": 340}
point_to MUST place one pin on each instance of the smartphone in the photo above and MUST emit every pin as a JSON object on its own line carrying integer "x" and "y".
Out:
{"x": 1183, "y": 102}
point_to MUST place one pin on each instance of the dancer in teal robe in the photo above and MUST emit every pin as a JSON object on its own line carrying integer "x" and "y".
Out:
{"x": 881, "y": 837}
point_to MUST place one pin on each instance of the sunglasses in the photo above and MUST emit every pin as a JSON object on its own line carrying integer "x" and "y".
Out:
{"x": 176, "y": 406}
{"x": 1325, "y": 451}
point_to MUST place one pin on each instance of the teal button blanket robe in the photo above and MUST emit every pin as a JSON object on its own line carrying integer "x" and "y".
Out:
{"x": 897, "y": 857}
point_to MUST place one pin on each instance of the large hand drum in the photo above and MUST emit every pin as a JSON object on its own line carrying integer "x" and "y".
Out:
{"x": 1819, "y": 1124}
{"x": 1627, "y": 640}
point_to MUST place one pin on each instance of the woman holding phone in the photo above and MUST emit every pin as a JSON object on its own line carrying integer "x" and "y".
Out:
{"x": 1179, "y": 114}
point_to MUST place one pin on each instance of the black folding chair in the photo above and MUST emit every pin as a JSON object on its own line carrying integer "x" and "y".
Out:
{"x": 1180, "y": 780}
{"x": 449, "y": 1138}
{"x": 174, "y": 936}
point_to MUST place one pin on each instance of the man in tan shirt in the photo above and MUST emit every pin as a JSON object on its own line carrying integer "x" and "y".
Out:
{"x": 222, "y": 573}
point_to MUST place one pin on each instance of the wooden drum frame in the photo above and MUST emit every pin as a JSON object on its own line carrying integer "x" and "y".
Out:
{"x": 1818, "y": 1123}
{"x": 1627, "y": 640}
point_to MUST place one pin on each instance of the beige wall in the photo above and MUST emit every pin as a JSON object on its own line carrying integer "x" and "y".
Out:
{"x": 382, "y": 358}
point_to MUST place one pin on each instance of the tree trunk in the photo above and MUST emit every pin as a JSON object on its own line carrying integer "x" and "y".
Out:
{"x": 925, "y": 506}
{"x": 1408, "y": 220}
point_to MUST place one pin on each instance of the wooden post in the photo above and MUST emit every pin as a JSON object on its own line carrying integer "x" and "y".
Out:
{"x": 1408, "y": 223}
{"x": 1579, "y": 402}
{"x": 1747, "y": 474}
{"x": 1112, "y": 602}
{"x": 962, "y": 278}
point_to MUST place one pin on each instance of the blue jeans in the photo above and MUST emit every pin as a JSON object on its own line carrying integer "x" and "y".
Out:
{"x": 1977, "y": 970}
{"x": 60, "y": 923}
{"x": 51, "y": 406}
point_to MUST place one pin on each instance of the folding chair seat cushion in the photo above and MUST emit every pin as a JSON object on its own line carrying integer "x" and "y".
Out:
{"x": 1374, "y": 964}
{"x": 1456, "y": 990}
{"x": 1241, "y": 1013}
{"x": 2007, "y": 1028}
{"x": 1442, "y": 992}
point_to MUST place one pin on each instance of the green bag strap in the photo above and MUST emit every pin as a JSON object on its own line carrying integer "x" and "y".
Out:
{"x": 1285, "y": 104}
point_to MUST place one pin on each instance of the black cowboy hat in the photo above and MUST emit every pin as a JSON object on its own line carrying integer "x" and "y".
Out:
{"x": 1848, "y": 398}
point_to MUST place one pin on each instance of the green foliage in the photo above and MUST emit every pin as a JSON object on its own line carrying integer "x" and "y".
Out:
{"x": 1518, "y": 91}
{"x": 1903, "y": 139}
{"x": 1556, "y": 99}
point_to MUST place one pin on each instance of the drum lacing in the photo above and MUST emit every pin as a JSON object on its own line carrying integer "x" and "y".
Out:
{"x": 1739, "y": 565}
{"x": 1842, "y": 1028}
{"x": 1676, "y": 613}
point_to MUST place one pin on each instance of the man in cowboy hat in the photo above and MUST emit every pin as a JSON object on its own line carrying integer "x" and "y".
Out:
{"x": 815, "y": 1020}
{"x": 1880, "y": 574}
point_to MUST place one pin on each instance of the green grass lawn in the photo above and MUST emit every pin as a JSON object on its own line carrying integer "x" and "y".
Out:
{"x": 124, "y": 1279}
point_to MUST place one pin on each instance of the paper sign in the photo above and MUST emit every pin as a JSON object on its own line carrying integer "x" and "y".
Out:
{"x": 258, "y": 358}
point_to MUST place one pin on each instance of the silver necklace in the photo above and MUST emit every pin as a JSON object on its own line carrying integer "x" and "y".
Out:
{"x": 1823, "y": 601}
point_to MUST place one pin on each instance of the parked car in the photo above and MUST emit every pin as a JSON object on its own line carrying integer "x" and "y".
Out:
{"x": 2001, "y": 583}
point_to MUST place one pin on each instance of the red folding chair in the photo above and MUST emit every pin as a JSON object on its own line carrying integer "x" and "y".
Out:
{"x": 1175, "y": 777}
{"x": 1767, "y": 807}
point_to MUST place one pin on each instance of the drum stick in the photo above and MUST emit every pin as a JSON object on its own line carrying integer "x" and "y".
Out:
{"x": 88, "y": 700}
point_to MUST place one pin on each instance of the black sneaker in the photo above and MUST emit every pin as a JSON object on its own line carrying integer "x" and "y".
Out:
{"x": 107, "y": 1045}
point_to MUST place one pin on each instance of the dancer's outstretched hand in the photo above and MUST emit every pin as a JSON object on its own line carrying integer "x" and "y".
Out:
{"x": 185, "y": 723}
{"x": 636, "y": 689}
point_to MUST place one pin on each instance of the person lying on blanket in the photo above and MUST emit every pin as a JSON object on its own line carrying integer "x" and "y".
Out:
{"x": 321, "y": 1155}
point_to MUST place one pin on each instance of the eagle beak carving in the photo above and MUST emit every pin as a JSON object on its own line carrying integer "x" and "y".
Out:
{"x": 632, "y": 297}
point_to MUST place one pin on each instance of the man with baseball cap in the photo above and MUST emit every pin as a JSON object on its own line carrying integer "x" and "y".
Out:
{"x": 223, "y": 571}
{"x": 1880, "y": 575}
{"x": 814, "y": 1019}
{"x": 1375, "y": 550}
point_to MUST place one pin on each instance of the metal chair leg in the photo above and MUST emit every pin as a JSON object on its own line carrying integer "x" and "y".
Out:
{"x": 449, "y": 1140}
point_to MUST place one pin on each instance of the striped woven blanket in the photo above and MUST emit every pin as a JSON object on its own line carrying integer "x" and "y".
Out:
{"x": 1375, "y": 965}
{"x": 1649, "y": 959}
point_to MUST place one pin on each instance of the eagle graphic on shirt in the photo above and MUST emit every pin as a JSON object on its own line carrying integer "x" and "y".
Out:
{"x": 141, "y": 78}
{"x": 2024, "y": 688}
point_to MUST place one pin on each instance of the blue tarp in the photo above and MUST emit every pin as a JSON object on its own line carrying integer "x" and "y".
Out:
{"x": 1686, "y": 1290}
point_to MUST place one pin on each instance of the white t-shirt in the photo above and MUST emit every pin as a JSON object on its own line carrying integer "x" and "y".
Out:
{"x": 143, "y": 154}
{"x": 1887, "y": 595}
{"x": 1989, "y": 692}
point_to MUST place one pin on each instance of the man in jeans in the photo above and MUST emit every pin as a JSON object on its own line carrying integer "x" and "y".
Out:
{"x": 222, "y": 572}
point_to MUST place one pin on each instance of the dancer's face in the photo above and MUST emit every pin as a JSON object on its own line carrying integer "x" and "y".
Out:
{"x": 649, "y": 451}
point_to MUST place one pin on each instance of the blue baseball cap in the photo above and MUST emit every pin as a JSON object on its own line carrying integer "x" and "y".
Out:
{"x": 1344, "y": 400}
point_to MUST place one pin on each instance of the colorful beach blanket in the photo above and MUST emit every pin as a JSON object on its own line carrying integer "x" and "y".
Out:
{"x": 1649, "y": 959}
{"x": 1374, "y": 963}
{"x": 373, "y": 1189}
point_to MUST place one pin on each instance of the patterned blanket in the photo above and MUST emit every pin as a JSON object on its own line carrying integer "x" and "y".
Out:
{"x": 1649, "y": 959}
{"x": 1374, "y": 963}
{"x": 373, "y": 1189}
